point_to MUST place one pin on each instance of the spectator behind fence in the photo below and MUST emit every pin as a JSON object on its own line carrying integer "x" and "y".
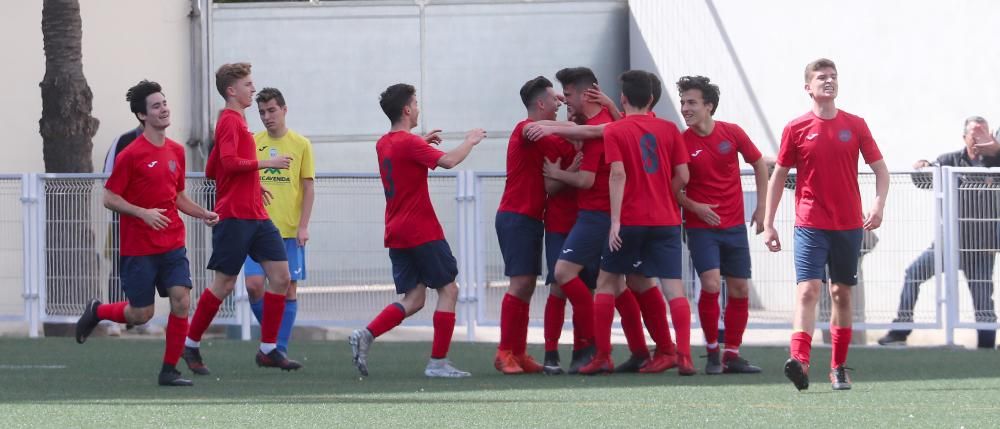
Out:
{"x": 978, "y": 201}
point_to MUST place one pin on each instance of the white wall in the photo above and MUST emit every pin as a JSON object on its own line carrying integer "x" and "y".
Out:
{"x": 124, "y": 41}
{"x": 913, "y": 69}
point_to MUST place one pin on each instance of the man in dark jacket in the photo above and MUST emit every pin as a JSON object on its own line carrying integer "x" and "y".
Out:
{"x": 978, "y": 211}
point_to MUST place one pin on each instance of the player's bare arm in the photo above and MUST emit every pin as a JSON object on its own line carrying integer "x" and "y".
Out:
{"x": 191, "y": 208}
{"x": 595, "y": 95}
{"x": 760, "y": 172}
{"x": 152, "y": 217}
{"x": 308, "y": 198}
{"x": 775, "y": 187}
{"x": 616, "y": 186}
{"x": 535, "y": 131}
{"x": 873, "y": 219}
{"x": 577, "y": 179}
{"x": 457, "y": 155}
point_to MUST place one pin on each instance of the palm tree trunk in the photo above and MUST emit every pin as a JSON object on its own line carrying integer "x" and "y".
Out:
{"x": 67, "y": 127}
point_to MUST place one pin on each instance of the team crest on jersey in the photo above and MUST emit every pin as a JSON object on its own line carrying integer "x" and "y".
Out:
{"x": 725, "y": 147}
{"x": 173, "y": 165}
{"x": 844, "y": 136}
{"x": 274, "y": 152}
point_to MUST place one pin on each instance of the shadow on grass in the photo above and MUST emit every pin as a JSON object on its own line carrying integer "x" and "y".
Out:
{"x": 121, "y": 371}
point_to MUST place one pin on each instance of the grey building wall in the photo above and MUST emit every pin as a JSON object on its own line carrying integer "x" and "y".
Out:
{"x": 468, "y": 59}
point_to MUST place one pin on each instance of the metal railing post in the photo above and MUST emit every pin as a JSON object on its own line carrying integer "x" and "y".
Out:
{"x": 30, "y": 225}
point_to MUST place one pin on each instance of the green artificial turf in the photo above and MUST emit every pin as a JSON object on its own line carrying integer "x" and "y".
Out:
{"x": 111, "y": 383}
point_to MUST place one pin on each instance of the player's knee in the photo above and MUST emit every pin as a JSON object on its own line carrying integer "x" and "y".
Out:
{"x": 255, "y": 288}
{"x": 141, "y": 315}
{"x": 564, "y": 274}
{"x": 279, "y": 281}
{"x": 808, "y": 295}
{"x": 712, "y": 284}
{"x": 521, "y": 287}
{"x": 180, "y": 305}
{"x": 738, "y": 288}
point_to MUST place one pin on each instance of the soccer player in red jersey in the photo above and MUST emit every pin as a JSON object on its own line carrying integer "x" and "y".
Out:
{"x": 147, "y": 188}
{"x": 643, "y": 301}
{"x": 713, "y": 214}
{"x": 519, "y": 225}
{"x": 244, "y": 229}
{"x": 421, "y": 258}
{"x": 823, "y": 146}
{"x": 648, "y": 162}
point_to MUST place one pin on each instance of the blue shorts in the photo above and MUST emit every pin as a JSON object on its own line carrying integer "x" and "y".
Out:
{"x": 235, "y": 239}
{"x": 727, "y": 250}
{"x": 554, "y": 242}
{"x": 140, "y": 275}
{"x": 430, "y": 264}
{"x": 653, "y": 251}
{"x": 520, "y": 239}
{"x": 296, "y": 261}
{"x": 588, "y": 238}
{"x": 816, "y": 249}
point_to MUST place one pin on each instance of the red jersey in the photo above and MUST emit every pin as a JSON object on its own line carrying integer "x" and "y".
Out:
{"x": 649, "y": 149}
{"x": 824, "y": 153}
{"x": 560, "y": 208}
{"x": 715, "y": 172}
{"x": 597, "y": 197}
{"x": 150, "y": 177}
{"x": 524, "y": 190}
{"x": 233, "y": 165}
{"x": 403, "y": 161}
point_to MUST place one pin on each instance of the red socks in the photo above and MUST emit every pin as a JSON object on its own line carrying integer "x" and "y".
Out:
{"x": 737, "y": 314}
{"x": 680, "y": 312}
{"x": 274, "y": 309}
{"x": 208, "y": 306}
{"x": 631, "y": 319}
{"x": 604, "y": 316}
{"x": 177, "y": 328}
{"x": 654, "y": 313}
{"x": 708, "y": 313}
{"x": 444, "y": 327}
{"x": 841, "y": 339}
{"x": 521, "y": 331}
{"x": 509, "y": 322}
{"x": 801, "y": 347}
{"x": 390, "y": 317}
{"x": 555, "y": 314}
{"x": 583, "y": 308}
{"x": 114, "y": 312}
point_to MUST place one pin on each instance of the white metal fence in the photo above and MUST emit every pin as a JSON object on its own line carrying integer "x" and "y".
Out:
{"x": 64, "y": 255}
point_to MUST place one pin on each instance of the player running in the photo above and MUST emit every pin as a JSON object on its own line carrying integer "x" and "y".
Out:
{"x": 421, "y": 258}
{"x": 244, "y": 229}
{"x": 147, "y": 188}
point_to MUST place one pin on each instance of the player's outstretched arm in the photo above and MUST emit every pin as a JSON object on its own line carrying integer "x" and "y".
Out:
{"x": 775, "y": 187}
{"x": 535, "y": 131}
{"x": 152, "y": 217}
{"x": 874, "y": 217}
{"x": 191, "y": 208}
{"x": 457, "y": 155}
{"x": 760, "y": 169}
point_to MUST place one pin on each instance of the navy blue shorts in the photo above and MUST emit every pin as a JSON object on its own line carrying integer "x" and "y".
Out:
{"x": 430, "y": 264}
{"x": 727, "y": 250}
{"x": 235, "y": 239}
{"x": 520, "y": 239}
{"x": 554, "y": 242}
{"x": 653, "y": 251}
{"x": 816, "y": 249}
{"x": 588, "y": 238}
{"x": 141, "y": 275}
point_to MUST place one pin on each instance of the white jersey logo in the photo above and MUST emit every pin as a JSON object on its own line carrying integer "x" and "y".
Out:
{"x": 565, "y": 251}
{"x": 637, "y": 264}
{"x": 811, "y": 136}
{"x": 150, "y": 165}
{"x": 696, "y": 153}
